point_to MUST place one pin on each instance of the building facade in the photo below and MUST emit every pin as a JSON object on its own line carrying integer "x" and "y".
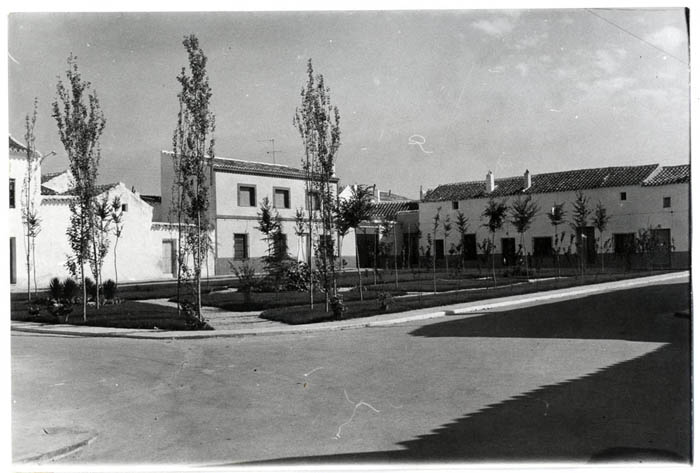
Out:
{"x": 237, "y": 189}
{"x": 649, "y": 198}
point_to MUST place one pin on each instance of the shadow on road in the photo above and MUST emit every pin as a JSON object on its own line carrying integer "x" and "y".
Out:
{"x": 645, "y": 314}
{"x": 637, "y": 410}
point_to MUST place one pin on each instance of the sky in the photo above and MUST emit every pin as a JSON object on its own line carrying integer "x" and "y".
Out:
{"x": 425, "y": 97}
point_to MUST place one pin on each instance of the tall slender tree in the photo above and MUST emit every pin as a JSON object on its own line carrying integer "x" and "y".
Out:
{"x": 557, "y": 217}
{"x": 600, "y": 222}
{"x": 495, "y": 214}
{"x": 447, "y": 230}
{"x": 80, "y": 124}
{"x": 193, "y": 153}
{"x": 522, "y": 212}
{"x": 462, "y": 227}
{"x": 318, "y": 123}
{"x": 436, "y": 225}
{"x": 580, "y": 214}
{"x": 118, "y": 229}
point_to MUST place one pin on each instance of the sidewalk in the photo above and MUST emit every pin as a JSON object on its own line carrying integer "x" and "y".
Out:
{"x": 246, "y": 326}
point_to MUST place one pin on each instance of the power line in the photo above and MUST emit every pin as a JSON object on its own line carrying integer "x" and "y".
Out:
{"x": 637, "y": 37}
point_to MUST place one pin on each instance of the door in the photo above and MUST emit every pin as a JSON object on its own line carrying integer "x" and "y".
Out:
{"x": 508, "y": 251}
{"x": 661, "y": 238}
{"x": 469, "y": 246}
{"x": 367, "y": 245}
{"x": 589, "y": 244}
{"x": 168, "y": 258}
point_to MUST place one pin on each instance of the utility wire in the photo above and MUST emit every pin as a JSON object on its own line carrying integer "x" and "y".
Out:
{"x": 637, "y": 37}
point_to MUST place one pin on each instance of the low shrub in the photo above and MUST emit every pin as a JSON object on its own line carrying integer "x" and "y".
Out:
{"x": 71, "y": 290}
{"x": 55, "y": 289}
{"x": 109, "y": 290}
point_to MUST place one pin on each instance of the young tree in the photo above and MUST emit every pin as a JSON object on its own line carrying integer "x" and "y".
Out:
{"x": 522, "y": 212}
{"x": 102, "y": 212}
{"x": 495, "y": 214}
{"x": 600, "y": 222}
{"x": 351, "y": 213}
{"x": 80, "y": 124}
{"x": 436, "y": 225}
{"x": 556, "y": 217}
{"x": 270, "y": 225}
{"x": 30, "y": 216}
{"x": 462, "y": 227}
{"x": 117, "y": 216}
{"x": 579, "y": 221}
{"x": 193, "y": 153}
{"x": 446, "y": 229}
{"x": 318, "y": 123}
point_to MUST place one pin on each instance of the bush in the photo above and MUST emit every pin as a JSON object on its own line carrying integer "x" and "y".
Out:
{"x": 71, "y": 290}
{"x": 337, "y": 306}
{"x": 247, "y": 281}
{"x": 55, "y": 289}
{"x": 90, "y": 289}
{"x": 109, "y": 290}
{"x": 385, "y": 299}
{"x": 299, "y": 277}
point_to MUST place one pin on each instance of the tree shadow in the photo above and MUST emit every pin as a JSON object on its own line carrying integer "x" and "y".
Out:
{"x": 634, "y": 411}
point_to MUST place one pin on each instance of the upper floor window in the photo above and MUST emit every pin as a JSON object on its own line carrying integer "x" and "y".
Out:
{"x": 623, "y": 195}
{"x": 455, "y": 205}
{"x": 125, "y": 207}
{"x": 12, "y": 193}
{"x": 667, "y": 202}
{"x": 281, "y": 198}
{"x": 315, "y": 199}
{"x": 246, "y": 196}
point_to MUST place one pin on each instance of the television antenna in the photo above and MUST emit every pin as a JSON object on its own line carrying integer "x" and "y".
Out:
{"x": 274, "y": 151}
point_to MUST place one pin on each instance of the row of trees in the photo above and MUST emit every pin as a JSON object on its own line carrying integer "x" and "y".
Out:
{"x": 521, "y": 213}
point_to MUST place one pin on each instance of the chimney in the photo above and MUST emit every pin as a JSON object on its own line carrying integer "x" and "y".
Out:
{"x": 421, "y": 192}
{"x": 490, "y": 182}
{"x": 528, "y": 180}
{"x": 375, "y": 192}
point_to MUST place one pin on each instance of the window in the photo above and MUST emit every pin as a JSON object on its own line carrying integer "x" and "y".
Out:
{"x": 439, "y": 249}
{"x": 281, "y": 198}
{"x": 13, "y": 261}
{"x": 280, "y": 244}
{"x": 667, "y": 202}
{"x": 240, "y": 246}
{"x": 125, "y": 207}
{"x": 623, "y": 195}
{"x": 12, "y": 193}
{"x": 624, "y": 243}
{"x": 315, "y": 201}
{"x": 542, "y": 246}
{"x": 246, "y": 196}
{"x": 455, "y": 205}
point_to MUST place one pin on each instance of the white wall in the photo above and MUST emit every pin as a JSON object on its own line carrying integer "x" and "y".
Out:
{"x": 643, "y": 208}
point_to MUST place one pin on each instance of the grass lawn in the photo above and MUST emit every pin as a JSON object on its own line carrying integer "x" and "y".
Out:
{"x": 302, "y": 314}
{"x": 128, "y": 314}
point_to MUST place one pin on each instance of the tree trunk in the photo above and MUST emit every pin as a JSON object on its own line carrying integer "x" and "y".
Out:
{"x": 29, "y": 284}
{"x": 396, "y": 268}
{"x": 82, "y": 278}
{"x": 493, "y": 257}
{"x": 357, "y": 264}
{"x": 116, "y": 277}
{"x": 34, "y": 263}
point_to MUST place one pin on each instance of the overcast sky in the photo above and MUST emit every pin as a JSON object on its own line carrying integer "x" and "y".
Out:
{"x": 425, "y": 97}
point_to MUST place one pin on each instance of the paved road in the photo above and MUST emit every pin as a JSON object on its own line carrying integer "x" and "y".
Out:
{"x": 601, "y": 377}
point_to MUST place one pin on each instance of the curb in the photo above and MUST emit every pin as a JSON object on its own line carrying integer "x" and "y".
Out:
{"x": 374, "y": 321}
{"x": 59, "y": 452}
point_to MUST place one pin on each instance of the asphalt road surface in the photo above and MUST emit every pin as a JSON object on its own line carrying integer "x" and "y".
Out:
{"x": 601, "y": 378}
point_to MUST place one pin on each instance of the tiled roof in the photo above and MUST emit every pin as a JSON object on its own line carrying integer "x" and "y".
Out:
{"x": 579, "y": 179}
{"x": 46, "y": 191}
{"x": 151, "y": 199}
{"x": 19, "y": 147}
{"x": 50, "y": 175}
{"x": 100, "y": 189}
{"x": 240, "y": 166}
{"x": 391, "y": 197}
{"x": 388, "y": 210}
{"x": 669, "y": 175}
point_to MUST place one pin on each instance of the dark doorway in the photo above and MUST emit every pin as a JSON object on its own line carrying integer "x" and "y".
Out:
{"x": 469, "y": 246}
{"x": 410, "y": 247}
{"x": 508, "y": 251}
{"x": 662, "y": 247}
{"x": 542, "y": 246}
{"x": 367, "y": 244}
{"x": 589, "y": 246}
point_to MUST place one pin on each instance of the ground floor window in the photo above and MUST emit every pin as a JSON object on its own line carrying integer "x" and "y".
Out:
{"x": 240, "y": 246}
{"x": 13, "y": 261}
{"x": 542, "y": 246}
{"x": 623, "y": 243}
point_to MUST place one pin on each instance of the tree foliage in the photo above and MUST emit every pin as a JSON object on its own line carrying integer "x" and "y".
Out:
{"x": 80, "y": 124}
{"x": 318, "y": 123}
{"x": 193, "y": 152}
{"x": 522, "y": 213}
{"x": 495, "y": 214}
{"x": 30, "y": 215}
{"x": 351, "y": 212}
